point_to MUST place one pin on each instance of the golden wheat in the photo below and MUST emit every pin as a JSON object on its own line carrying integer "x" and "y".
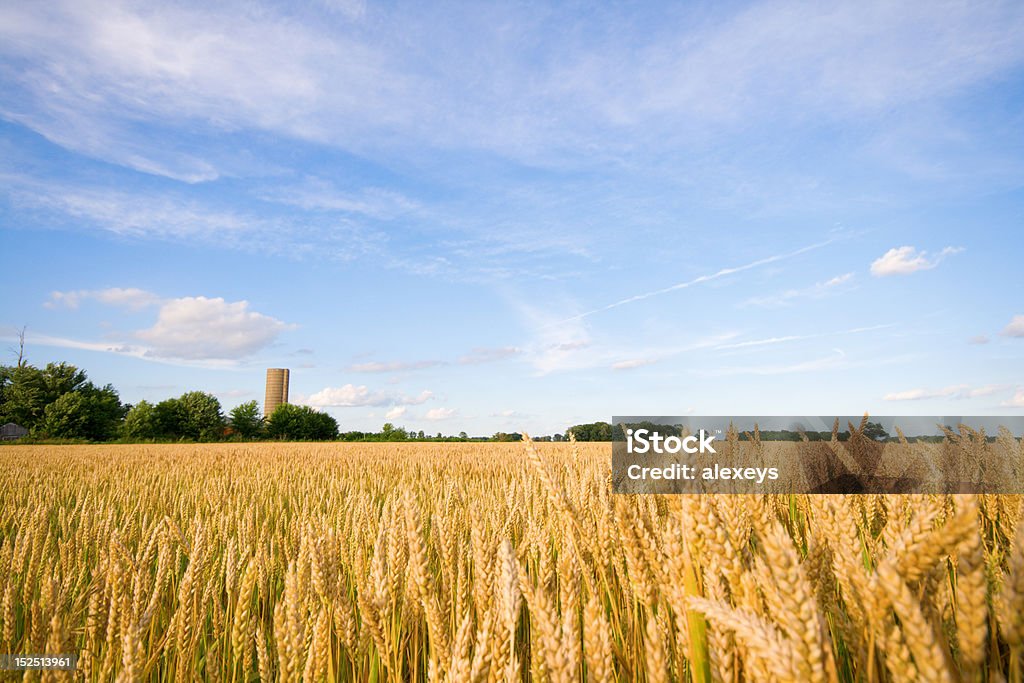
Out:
{"x": 488, "y": 562}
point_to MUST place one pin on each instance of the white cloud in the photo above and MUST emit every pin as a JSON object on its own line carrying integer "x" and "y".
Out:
{"x": 957, "y": 391}
{"x": 1016, "y": 402}
{"x": 131, "y": 298}
{"x": 133, "y": 214}
{"x": 354, "y": 396}
{"x": 395, "y": 413}
{"x": 905, "y": 260}
{"x": 315, "y": 194}
{"x": 488, "y": 355}
{"x": 175, "y": 216}
{"x": 978, "y": 339}
{"x": 633, "y": 363}
{"x": 95, "y": 69}
{"x": 394, "y": 366}
{"x": 348, "y": 396}
{"x": 195, "y": 328}
{"x": 122, "y": 349}
{"x": 509, "y": 413}
{"x": 818, "y": 290}
{"x": 436, "y": 414}
{"x": 1015, "y": 328}
{"x": 421, "y": 397}
{"x": 477, "y": 356}
{"x": 799, "y": 337}
{"x": 838, "y": 280}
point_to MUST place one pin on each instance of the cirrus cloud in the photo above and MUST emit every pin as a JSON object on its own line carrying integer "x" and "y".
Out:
{"x": 959, "y": 391}
{"x": 131, "y": 298}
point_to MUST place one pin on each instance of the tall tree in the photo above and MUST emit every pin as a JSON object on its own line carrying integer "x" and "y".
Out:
{"x": 202, "y": 417}
{"x": 88, "y": 412}
{"x": 23, "y": 396}
{"x": 301, "y": 423}
{"x": 247, "y": 420}
{"x": 141, "y": 422}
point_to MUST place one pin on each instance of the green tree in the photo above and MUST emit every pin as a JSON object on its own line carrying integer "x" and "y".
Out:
{"x": 141, "y": 422}
{"x": 247, "y": 420}
{"x": 875, "y": 431}
{"x": 194, "y": 415}
{"x": 203, "y": 419}
{"x": 301, "y": 423}
{"x": 87, "y": 412}
{"x": 391, "y": 433}
{"x": 23, "y": 396}
{"x": 169, "y": 418}
{"x": 65, "y": 418}
{"x": 503, "y": 436}
{"x": 593, "y": 431}
{"x": 57, "y": 379}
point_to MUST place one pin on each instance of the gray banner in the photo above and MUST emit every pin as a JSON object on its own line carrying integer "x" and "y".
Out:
{"x": 818, "y": 454}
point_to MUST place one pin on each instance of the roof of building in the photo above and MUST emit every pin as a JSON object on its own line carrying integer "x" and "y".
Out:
{"x": 11, "y": 429}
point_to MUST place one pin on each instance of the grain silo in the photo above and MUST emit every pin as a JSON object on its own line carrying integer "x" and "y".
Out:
{"x": 277, "y": 389}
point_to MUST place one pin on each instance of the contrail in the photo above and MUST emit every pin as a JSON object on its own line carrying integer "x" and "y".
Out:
{"x": 798, "y": 337}
{"x": 700, "y": 280}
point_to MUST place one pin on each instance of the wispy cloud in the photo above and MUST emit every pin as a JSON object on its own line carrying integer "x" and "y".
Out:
{"x": 131, "y": 298}
{"x": 701, "y": 280}
{"x": 958, "y": 391}
{"x": 489, "y": 355}
{"x": 906, "y": 260}
{"x": 1017, "y": 401}
{"x": 818, "y": 290}
{"x": 1015, "y": 328}
{"x": 97, "y": 68}
{"x": 770, "y": 341}
{"x": 132, "y": 350}
{"x": 477, "y": 356}
{"x": 837, "y": 359}
{"x": 395, "y": 366}
{"x": 356, "y": 396}
{"x": 317, "y": 194}
{"x": 633, "y": 363}
{"x": 172, "y": 216}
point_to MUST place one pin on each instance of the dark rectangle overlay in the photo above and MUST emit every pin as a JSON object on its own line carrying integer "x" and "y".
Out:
{"x": 821, "y": 454}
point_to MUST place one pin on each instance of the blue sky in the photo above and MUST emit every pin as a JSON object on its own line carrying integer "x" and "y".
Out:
{"x": 521, "y": 216}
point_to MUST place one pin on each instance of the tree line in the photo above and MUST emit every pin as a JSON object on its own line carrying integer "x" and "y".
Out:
{"x": 59, "y": 402}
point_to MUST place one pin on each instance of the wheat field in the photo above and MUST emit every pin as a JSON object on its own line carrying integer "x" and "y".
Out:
{"x": 486, "y": 562}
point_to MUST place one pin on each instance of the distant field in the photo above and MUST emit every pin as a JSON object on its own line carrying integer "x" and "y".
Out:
{"x": 487, "y": 562}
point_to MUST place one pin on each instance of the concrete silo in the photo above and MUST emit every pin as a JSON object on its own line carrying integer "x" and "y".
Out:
{"x": 277, "y": 389}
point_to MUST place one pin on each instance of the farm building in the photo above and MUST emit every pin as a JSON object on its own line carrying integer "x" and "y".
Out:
{"x": 11, "y": 431}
